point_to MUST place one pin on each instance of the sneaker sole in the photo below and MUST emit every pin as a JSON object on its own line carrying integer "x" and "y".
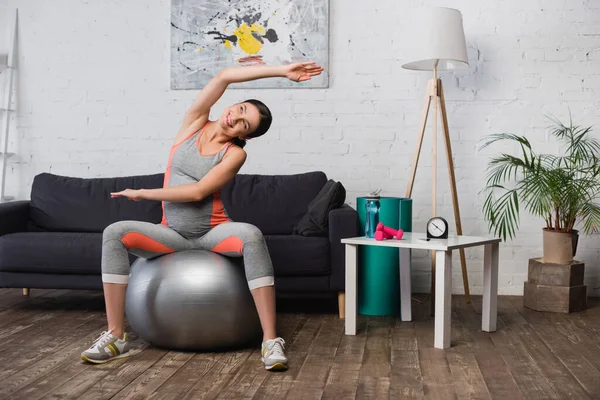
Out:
{"x": 277, "y": 367}
{"x": 124, "y": 355}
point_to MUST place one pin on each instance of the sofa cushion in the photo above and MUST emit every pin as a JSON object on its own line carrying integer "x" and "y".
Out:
{"x": 273, "y": 203}
{"x": 65, "y": 204}
{"x": 80, "y": 253}
{"x": 294, "y": 255}
{"x": 51, "y": 252}
{"x": 316, "y": 221}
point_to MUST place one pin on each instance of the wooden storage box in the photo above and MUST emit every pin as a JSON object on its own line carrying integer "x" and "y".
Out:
{"x": 555, "y": 287}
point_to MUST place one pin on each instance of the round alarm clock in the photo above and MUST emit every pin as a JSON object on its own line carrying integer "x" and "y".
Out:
{"x": 437, "y": 228}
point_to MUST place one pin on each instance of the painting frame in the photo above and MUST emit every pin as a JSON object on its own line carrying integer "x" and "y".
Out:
{"x": 210, "y": 35}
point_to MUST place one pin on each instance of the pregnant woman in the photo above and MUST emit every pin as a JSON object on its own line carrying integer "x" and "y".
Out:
{"x": 204, "y": 157}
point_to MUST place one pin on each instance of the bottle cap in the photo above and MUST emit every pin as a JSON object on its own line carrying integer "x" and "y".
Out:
{"x": 374, "y": 194}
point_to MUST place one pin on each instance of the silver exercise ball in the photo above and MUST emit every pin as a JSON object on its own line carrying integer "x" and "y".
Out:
{"x": 192, "y": 300}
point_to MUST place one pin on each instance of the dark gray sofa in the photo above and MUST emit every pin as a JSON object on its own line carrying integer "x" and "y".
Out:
{"x": 54, "y": 240}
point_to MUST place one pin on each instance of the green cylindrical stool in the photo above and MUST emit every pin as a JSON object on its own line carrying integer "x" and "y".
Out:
{"x": 378, "y": 272}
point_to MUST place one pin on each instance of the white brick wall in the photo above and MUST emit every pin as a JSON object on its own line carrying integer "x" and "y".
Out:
{"x": 94, "y": 100}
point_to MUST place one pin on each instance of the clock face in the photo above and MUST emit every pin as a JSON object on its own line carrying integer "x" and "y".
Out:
{"x": 437, "y": 227}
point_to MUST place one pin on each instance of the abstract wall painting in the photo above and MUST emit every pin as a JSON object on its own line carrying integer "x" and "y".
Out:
{"x": 210, "y": 35}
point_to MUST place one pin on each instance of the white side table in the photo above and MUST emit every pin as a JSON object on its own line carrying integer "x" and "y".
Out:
{"x": 443, "y": 278}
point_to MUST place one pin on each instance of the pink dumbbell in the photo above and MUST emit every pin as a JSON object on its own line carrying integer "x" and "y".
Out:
{"x": 380, "y": 235}
{"x": 385, "y": 232}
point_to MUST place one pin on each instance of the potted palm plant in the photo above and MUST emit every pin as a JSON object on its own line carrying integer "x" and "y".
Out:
{"x": 559, "y": 189}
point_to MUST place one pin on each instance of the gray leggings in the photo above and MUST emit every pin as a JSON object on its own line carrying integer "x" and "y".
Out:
{"x": 147, "y": 240}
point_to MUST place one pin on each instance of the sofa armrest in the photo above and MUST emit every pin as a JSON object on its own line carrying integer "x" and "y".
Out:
{"x": 13, "y": 217}
{"x": 343, "y": 223}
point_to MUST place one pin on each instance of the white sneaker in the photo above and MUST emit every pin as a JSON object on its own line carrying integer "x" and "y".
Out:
{"x": 106, "y": 348}
{"x": 273, "y": 355}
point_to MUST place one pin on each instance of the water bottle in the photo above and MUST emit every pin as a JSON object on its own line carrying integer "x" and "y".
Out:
{"x": 372, "y": 215}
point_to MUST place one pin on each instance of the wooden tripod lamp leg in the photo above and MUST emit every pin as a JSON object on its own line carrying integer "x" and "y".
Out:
{"x": 463, "y": 262}
{"x": 430, "y": 96}
{"x": 435, "y": 99}
{"x": 415, "y": 162}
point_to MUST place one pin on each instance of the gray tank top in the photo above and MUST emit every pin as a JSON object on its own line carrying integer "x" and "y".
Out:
{"x": 187, "y": 165}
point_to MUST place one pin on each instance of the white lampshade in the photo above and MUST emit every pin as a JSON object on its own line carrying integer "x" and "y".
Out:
{"x": 438, "y": 38}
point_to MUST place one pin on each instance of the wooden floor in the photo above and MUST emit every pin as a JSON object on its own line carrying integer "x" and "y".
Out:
{"x": 531, "y": 356}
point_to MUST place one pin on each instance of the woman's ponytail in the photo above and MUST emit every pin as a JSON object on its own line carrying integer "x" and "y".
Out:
{"x": 239, "y": 142}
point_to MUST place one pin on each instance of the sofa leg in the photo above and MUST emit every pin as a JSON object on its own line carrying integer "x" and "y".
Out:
{"x": 342, "y": 304}
{"x": 25, "y": 292}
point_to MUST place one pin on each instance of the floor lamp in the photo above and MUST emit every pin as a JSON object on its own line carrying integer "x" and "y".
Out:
{"x": 440, "y": 45}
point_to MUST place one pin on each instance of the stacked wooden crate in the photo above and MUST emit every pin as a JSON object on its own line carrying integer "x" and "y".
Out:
{"x": 555, "y": 287}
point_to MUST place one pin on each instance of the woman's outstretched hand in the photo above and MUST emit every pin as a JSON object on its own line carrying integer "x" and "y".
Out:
{"x": 300, "y": 72}
{"x": 130, "y": 194}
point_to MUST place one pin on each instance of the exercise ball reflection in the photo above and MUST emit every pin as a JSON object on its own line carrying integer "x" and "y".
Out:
{"x": 192, "y": 300}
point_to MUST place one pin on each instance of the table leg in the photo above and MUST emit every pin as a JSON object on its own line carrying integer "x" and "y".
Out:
{"x": 443, "y": 298}
{"x": 351, "y": 292}
{"x": 490, "y": 287}
{"x": 405, "y": 285}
